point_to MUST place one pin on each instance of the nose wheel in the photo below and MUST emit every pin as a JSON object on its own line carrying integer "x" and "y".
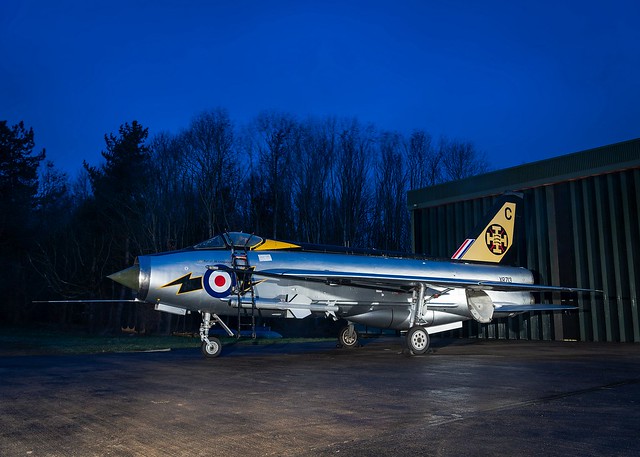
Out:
{"x": 212, "y": 347}
{"x": 418, "y": 340}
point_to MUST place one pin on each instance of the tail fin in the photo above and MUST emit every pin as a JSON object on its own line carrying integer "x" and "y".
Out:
{"x": 494, "y": 236}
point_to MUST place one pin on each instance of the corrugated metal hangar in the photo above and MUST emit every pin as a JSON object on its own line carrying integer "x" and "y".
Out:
{"x": 581, "y": 228}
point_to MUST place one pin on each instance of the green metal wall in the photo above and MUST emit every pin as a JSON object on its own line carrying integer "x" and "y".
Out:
{"x": 582, "y": 231}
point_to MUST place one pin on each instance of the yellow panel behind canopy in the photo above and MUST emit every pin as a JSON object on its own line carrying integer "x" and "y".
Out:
{"x": 273, "y": 245}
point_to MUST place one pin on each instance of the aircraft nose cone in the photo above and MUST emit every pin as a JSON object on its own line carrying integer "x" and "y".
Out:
{"x": 129, "y": 277}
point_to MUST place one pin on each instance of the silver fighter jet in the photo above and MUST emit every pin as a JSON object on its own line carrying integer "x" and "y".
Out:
{"x": 238, "y": 274}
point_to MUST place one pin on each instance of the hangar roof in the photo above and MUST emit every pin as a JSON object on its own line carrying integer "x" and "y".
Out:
{"x": 605, "y": 159}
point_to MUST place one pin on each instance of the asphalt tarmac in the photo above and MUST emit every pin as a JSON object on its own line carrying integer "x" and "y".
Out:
{"x": 471, "y": 398}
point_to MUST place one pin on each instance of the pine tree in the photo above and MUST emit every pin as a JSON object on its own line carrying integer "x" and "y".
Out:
{"x": 18, "y": 189}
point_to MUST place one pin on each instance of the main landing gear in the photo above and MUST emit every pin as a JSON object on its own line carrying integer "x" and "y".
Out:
{"x": 418, "y": 340}
{"x": 348, "y": 337}
{"x": 417, "y": 336}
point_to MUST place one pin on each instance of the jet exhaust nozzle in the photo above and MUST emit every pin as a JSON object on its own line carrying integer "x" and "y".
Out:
{"x": 129, "y": 277}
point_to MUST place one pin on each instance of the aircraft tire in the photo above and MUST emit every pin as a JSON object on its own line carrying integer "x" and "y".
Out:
{"x": 211, "y": 349}
{"x": 346, "y": 340}
{"x": 418, "y": 340}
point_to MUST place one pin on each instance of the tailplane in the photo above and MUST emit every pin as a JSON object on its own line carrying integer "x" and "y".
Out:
{"x": 494, "y": 237}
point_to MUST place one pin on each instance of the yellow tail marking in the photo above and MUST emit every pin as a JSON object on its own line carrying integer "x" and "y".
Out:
{"x": 496, "y": 238}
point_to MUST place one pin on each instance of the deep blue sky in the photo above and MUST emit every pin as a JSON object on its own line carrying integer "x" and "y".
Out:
{"x": 522, "y": 82}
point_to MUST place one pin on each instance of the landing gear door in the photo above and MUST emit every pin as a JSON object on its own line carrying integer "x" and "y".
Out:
{"x": 480, "y": 306}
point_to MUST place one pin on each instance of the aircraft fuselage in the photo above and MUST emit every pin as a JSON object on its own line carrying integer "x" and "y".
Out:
{"x": 207, "y": 280}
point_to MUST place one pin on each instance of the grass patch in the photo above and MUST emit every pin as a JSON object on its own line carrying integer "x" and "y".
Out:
{"x": 29, "y": 341}
{"x": 47, "y": 341}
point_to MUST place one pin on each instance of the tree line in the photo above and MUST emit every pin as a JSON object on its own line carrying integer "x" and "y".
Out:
{"x": 325, "y": 181}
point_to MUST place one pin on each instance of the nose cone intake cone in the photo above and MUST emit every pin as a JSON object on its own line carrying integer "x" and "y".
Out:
{"x": 129, "y": 277}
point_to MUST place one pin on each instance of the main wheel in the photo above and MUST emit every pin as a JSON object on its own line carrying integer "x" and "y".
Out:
{"x": 418, "y": 340}
{"x": 211, "y": 349}
{"x": 348, "y": 337}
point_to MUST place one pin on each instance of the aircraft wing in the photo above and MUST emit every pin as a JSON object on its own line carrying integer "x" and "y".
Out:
{"x": 383, "y": 280}
{"x": 89, "y": 301}
{"x": 516, "y": 308}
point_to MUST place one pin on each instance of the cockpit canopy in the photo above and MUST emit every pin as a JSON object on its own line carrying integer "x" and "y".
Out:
{"x": 238, "y": 240}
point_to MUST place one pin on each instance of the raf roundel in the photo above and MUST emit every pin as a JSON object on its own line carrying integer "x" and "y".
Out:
{"x": 219, "y": 282}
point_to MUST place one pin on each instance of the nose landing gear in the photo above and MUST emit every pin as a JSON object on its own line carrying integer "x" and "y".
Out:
{"x": 211, "y": 346}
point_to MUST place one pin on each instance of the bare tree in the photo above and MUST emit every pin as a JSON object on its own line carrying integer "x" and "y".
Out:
{"x": 276, "y": 138}
{"x": 461, "y": 159}
{"x": 424, "y": 162}
{"x": 212, "y": 163}
{"x": 171, "y": 198}
{"x": 390, "y": 227}
{"x": 314, "y": 157}
{"x": 352, "y": 181}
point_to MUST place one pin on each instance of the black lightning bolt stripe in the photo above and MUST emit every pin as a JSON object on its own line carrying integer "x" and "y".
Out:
{"x": 186, "y": 283}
